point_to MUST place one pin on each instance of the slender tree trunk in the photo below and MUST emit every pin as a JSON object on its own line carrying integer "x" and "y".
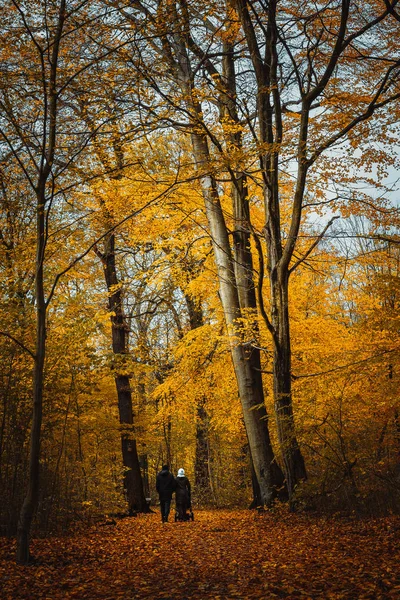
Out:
{"x": 31, "y": 498}
{"x": 202, "y": 471}
{"x": 167, "y": 428}
{"x": 397, "y": 447}
{"x": 81, "y": 457}
{"x": 50, "y": 99}
{"x": 143, "y": 458}
{"x": 293, "y": 460}
{"x": 265, "y": 63}
{"x": 202, "y": 479}
{"x": 5, "y": 416}
{"x": 132, "y": 479}
{"x": 248, "y": 303}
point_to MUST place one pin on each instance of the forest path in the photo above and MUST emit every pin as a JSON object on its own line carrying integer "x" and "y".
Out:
{"x": 221, "y": 555}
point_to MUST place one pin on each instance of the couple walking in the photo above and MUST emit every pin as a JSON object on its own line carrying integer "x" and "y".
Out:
{"x": 166, "y": 485}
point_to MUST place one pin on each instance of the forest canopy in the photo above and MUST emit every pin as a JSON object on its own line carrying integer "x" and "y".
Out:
{"x": 199, "y": 255}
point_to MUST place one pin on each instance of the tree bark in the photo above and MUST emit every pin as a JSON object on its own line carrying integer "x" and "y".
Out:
{"x": 250, "y": 392}
{"x": 203, "y": 484}
{"x": 133, "y": 482}
{"x": 254, "y": 412}
{"x": 202, "y": 471}
{"x": 31, "y": 498}
{"x": 271, "y": 135}
{"x": 243, "y": 261}
{"x": 293, "y": 460}
{"x": 45, "y": 166}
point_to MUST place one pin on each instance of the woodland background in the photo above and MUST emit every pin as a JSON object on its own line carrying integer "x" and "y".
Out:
{"x": 115, "y": 117}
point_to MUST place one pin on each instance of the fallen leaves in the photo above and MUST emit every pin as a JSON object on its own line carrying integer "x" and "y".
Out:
{"x": 222, "y": 554}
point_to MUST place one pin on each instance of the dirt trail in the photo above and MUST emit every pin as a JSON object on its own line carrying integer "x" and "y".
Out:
{"x": 221, "y": 555}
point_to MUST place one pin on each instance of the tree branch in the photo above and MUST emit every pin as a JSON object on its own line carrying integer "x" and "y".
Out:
{"x": 313, "y": 245}
{"x": 260, "y": 286}
{"x": 357, "y": 362}
{"x": 94, "y": 244}
{"x": 20, "y": 344}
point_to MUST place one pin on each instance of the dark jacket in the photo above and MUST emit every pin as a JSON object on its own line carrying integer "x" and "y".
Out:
{"x": 165, "y": 484}
{"x": 182, "y": 493}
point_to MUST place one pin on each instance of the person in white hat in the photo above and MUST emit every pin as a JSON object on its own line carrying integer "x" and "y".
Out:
{"x": 182, "y": 495}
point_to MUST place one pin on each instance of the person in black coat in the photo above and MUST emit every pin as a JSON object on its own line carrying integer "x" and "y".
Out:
{"x": 182, "y": 495}
{"x": 165, "y": 485}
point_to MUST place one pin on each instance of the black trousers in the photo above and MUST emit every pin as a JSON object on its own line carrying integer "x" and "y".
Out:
{"x": 165, "y": 507}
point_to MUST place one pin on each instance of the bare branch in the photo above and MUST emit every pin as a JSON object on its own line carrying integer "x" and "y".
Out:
{"x": 347, "y": 366}
{"x": 313, "y": 245}
{"x": 20, "y": 344}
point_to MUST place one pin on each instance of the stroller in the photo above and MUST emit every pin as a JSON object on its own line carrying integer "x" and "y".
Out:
{"x": 188, "y": 516}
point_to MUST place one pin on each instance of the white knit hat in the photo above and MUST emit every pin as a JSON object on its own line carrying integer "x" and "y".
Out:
{"x": 181, "y": 473}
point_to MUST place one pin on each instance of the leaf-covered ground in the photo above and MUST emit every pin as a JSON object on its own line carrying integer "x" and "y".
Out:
{"x": 222, "y": 554}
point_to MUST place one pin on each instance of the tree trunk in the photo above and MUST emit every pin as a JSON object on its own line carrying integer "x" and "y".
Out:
{"x": 143, "y": 458}
{"x": 132, "y": 478}
{"x": 265, "y": 61}
{"x": 243, "y": 260}
{"x": 250, "y": 392}
{"x": 248, "y": 304}
{"x": 292, "y": 458}
{"x": 175, "y": 49}
{"x": 31, "y": 498}
{"x": 397, "y": 447}
{"x": 44, "y": 166}
{"x": 202, "y": 471}
{"x": 256, "y": 502}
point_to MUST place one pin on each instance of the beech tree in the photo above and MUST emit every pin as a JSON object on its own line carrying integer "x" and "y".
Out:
{"x": 132, "y": 477}
{"x": 307, "y": 104}
{"x": 175, "y": 85}
{"x": 17, "y": 139}
{"x": 112, "y": 162}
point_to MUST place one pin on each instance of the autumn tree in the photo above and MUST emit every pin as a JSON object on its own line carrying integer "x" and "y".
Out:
{"x": 345, "y": 392}
{"x": 167, "y": 272}
{"x": 46, "y": 49}
{"x": 113, "y": 163}
{"x": 298, "y": 56}
{"x": 148, "y": 247}
{"x": 175, "y": 85}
